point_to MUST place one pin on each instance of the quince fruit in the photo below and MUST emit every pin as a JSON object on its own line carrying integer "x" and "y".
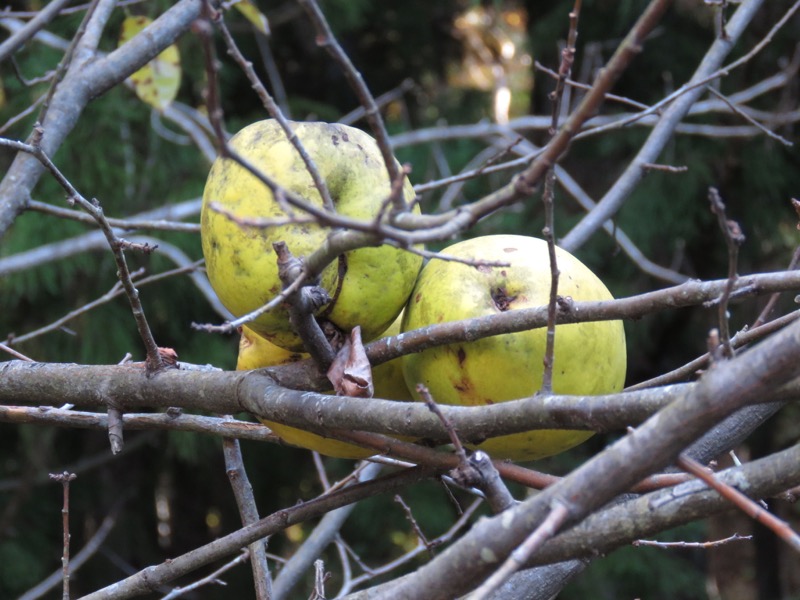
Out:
{"x": 368, "y": 286}
{"x": 590, "y": 357}
{"x": 256, "y": 352}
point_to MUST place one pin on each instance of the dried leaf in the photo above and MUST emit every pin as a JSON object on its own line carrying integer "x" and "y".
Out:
{"x": 169, "y": 357}
{"x": 350, "y": 373}
{"x": 255, "y": 16}
{"x": 158, "y": 81}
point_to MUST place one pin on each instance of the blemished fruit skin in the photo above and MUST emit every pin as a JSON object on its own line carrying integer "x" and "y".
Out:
{"x": 368, "y": 287}
{"x": 256, "y": 352}
{"x": 589, "y": 358}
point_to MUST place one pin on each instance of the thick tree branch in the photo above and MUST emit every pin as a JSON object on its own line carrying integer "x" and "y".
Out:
{"x": 652, "y": 446}
{"x": 625, "y": 522}
{"x": 37, "y": 384}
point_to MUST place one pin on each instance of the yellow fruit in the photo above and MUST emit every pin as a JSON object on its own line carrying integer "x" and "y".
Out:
{"x": 387, "y": 378}
{"x": 368, "y": 286}
{"x": 590, "y": 357}
{"x": 256, "y": 352}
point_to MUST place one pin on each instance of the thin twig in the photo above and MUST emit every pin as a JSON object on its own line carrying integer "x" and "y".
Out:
{"x": 208, "y": 579}
{"x": 584, "y": 86}
{"x": 751, "y": 508}
{"x": 231, "y": 325}
{"x": 426, "y": 396}
{"x": 740, "y": 340}
{"x": 702, "y": 545}
{"x": 414, "y": 525}
{"x": 14, "y": 353}
{"x": 76, "y": 562}
{"x": 373, "y": 572}
{"x": 167, "y": 421}
{"x": 66, "y": 60}
{"x": 384, "y": 99}
{"x": 763, "y": 316}
{"x": 42, "y": 18}
{"x": 154, "y": 362}
{"x": 327, "y": 40}
{"x": 275, "y": 112}
{"x": 65, "y": 478}
{"x": 548, "y": 199}
{"x": 664, "y": 168}
{"x": 749, "y": 119}
{"x": 116, "y": 291}
{"x": 248, "y": 512}
{"x": 733, "y": 239}
{"x": 548, "y": 233}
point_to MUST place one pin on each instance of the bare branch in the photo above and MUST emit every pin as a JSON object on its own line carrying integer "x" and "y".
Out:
{"x": 42, "y": 18}
{"x": 245, "y": 501}
{"x": 82, "y": 83}
{"x": 662, "y": 132}
{"x": 781, "y": 528}
{"x": 153, "y": 576}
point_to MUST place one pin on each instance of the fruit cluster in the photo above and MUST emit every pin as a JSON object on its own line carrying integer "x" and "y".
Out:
{"x": 386, "y": 290}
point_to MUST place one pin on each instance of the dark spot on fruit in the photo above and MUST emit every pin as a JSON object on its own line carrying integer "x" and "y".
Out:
{"x": 463, "y": 386}
{"x": 335, "y": 140}
{"x": 345, "y": 138}
{"x": 502, "y": 300}
{"x": 510, "y": 249}
{"x": 504, "y": 273}
{"x": 418, "y": 297}
{"x": 462, "y": 356}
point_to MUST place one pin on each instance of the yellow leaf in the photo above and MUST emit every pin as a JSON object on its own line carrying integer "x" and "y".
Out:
{"x": 158, "y": 81}
{"x": 255, "y": 16}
